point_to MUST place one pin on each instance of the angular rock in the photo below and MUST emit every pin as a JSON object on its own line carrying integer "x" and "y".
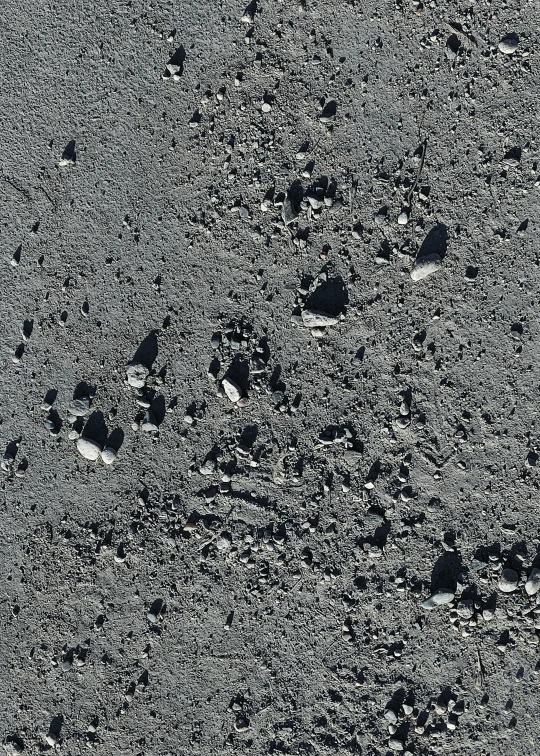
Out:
{"x": 532, "y": 586}
{"x": 439, "y": 598}
{"x": 137, "y": 375}
{"x": 508, "y": 581}
{"x": 425, "y": 265}
{"x": 288, "y": 212}
{"x": 318, "y": 319}
{"x": 232, "y": 389}
{"x": 79, "y": 407}
{"x": 149, "y": 424}
{"x": 88, "y": 449}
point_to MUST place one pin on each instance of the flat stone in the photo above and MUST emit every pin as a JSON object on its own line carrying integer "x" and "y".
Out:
{"x": 424, "y": 266}
{"x": 439, "y": 598}
{"x": 108, "y": 455}
{"x": 79, "y": 407}
{"x": 508, "y": 581}
{"x": 318, "y": 319}
{"x": 465, "y": 608}
{"x": 149, "y": 424}
{"x": 532, "y": 586}
{"x": 288, "y": 212}
{"x": 508, "y": 45}
{"x": 232, "y": 389}
{"x": 137, "y": 375}
{"x": 88, "y": 449}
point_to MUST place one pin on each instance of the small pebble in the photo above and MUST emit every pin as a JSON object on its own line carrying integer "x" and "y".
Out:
{"x": 508, "y": 45}
{"x": 424, "y": 266}
{"x": 439, "y": 598}
{"x": 403, "y": 218}
{"x": 137, "y": 375}
{"x": 508, "y": 581}
{"x": 79, "y": 407}
{"x": 108, "y": 455}
{"x": 266, "y": 107}
{"x": 532, "y": 586}
{"x": 149, "y": 424}
{"x": 318, "y": 319}
{"x": 232, "y": 389}
{"x": 88, "y": 449}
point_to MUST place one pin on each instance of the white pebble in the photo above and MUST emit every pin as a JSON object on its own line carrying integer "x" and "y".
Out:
{"x": 108, "y": 455}
{"x": 318, "y": 319}
{"x": 424, "y": 266}
{"x": 508, "y": 45}
{"x": 88, "y": 449}
{"x": 232, "y": 389}
{"x": 532, "y": 586}
{"x": 137, "y": 375}
{"x": 508, "y": 581}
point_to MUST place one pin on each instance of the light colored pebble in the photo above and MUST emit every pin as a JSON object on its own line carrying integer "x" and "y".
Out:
{"x": 108, "y": 455}
{"x": 532, "y": 586}
{"x": 439, "y": 598}
{"x": 149, "y": 424}
{"x": 318, "y": 319}
{"x": 79, "y": 407}
{"x": 232, "y": 389}
{"x": 508, "y": 581}
{"x": 424, "y": 266}
{"x": 508, "y": 45}
{"x": 137, "y": 375}
{"x": 88, "y": 449}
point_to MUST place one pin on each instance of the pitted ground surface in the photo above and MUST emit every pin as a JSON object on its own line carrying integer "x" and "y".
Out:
{"x": 292, "y": 613}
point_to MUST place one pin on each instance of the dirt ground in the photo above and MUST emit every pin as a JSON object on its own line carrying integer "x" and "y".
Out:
{"x": 312, "y": 526}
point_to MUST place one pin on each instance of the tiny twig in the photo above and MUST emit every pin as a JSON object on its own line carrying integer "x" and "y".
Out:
{"x": 53, "y": 203}
{"x": 25, "y": 193}
{"x": 417, "y": 179}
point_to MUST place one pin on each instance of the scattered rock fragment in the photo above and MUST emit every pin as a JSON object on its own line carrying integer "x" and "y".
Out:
{"x": 137, "y": 375}
{"x": 532, "y": 586}
{"x": 88, "y": 449}
{"x": 508, "y": 581}
{"x": 232, "y": 389}
{"x": 79, "y": 407}
{"x": 149, "y": 424}
{"x": 318, "y": 319}
{"x": 439, "y": 598}
{"x": 508, "y": 45}
{"x": 108, "y": 455}
{"x": 424, "y": 266}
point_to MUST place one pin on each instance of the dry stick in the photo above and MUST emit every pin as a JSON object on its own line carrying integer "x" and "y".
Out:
{"x": 480, "y": 679}
{"x": 53, "y": 203}
{"x": 417, "y": 179}
{"x": 26, "y": 194}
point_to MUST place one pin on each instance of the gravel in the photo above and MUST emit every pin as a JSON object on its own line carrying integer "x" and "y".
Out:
{"x": 221, "y": 386}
